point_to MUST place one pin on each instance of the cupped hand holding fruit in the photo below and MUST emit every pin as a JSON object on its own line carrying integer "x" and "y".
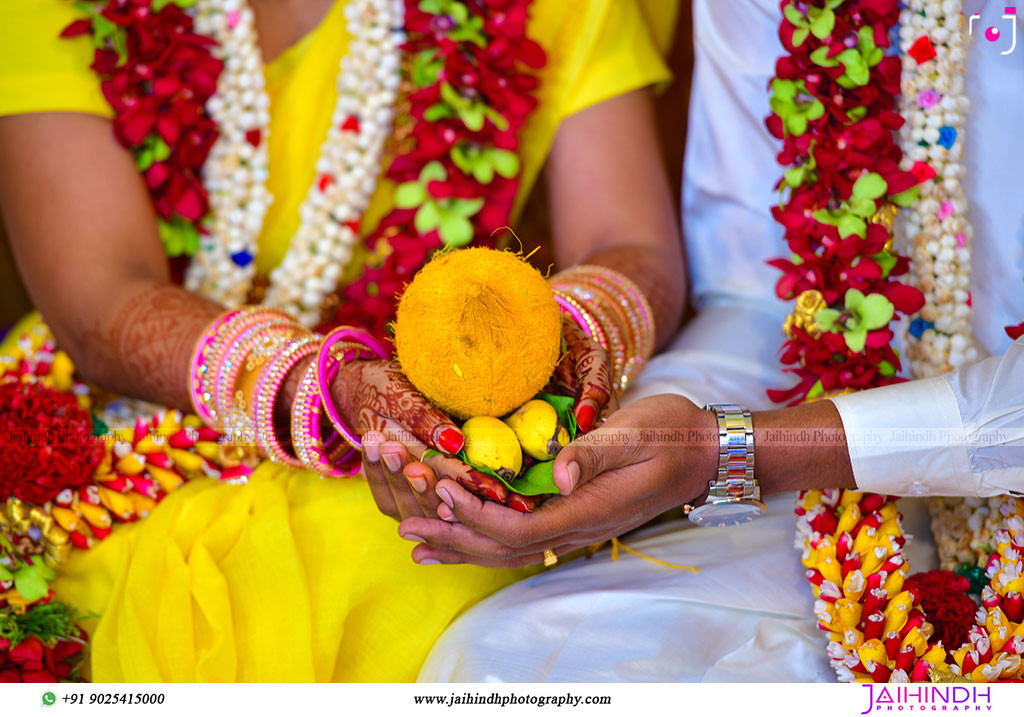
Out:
{"x": 398, "y": 425}
{"x": 479, "y": 334}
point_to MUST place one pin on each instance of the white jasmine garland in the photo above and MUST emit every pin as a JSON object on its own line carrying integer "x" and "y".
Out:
{"x": 935, "y": 105}
{"x": 235, "y": 173}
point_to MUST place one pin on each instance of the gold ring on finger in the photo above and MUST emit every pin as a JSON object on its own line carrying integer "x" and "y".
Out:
{"x": 550, "y": 558}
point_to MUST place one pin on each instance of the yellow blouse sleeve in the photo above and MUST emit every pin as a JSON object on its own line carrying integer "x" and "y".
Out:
{"x": 39, "y": 70}
{"x": 622, "y": 58}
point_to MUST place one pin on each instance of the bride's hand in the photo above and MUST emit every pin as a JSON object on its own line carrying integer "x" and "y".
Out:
{"x": 585, "y": 373}
{"x": 651, "y": 456}
{"x": 398, "y": 425}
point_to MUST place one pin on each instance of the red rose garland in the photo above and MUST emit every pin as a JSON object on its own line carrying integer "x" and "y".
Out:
{"x": 157, "y": 74}
{"x": 472, "y": 93}
{"x": 834, "y": 110}
{"x": 470, "y": 102}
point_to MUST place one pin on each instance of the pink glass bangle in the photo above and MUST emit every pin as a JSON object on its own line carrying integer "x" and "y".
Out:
{"x": 317, "y": 452}
{"x": 328, "y": 366}
{"x": 198, "y": 367}
{"x": 573, "y": 308}
{"x": 267, "y": 391}
{"x": 224, "y": 334}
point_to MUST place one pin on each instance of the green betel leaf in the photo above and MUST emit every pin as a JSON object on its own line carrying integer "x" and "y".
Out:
{"x": 428, "y": 218}
{"x": 869, "y": 185}
{"x": 538, "y": 479}
{"x": 456, "y": 230}
{"x": 6, "y": 574}
{"x": 800, "y": 36}
{"x": 875, "y": 311}
{"x": 461, "y": 157}
{"x": 886, "y": 369}
{"x": 825, "y": 319}
{"x": 30, "y": 583}
{"x": 822, "y": 25}
{"x": 506, "y": 163}
{"x": 851, "y": 224}
{"x": 856, "y": 340}
{"x": 906, "y": 198}
{"x": 409, "y": 195}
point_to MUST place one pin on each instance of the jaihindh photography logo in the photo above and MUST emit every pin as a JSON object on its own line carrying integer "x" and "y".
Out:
{"x": 928, "y": 698}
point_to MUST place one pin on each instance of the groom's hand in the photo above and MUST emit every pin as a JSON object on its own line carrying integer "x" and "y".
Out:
{"x": 649, "y": 457}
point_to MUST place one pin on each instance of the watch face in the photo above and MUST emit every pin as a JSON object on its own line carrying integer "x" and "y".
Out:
{"x": 726, "y": 513}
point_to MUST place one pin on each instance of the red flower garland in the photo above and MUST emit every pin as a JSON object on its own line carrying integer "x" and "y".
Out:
{"x": 492, "y": 74}
{"x": 157, "y": 75}
{"x": 48, "y": 442}
{"x": 946, "y": 605}
{"x": 836, "y": 118}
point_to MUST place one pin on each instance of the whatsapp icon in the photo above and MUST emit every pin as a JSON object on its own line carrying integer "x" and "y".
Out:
{"x": 49, "y": 698}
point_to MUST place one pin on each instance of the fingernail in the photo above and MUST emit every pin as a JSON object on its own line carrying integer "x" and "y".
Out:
{"x": 393, "y": 462}
{"x": 413, "y": 537}
{"x": 445, "y": 513}
{"x": 418, "y": 484}
{"x": 585, "y": 416}
{"x": 430, "y": 561}
{"x": 573, "y": 471}
{"x": 371, "y": 449}
{"x": 451, "y": 440}
{"x": 444, "y": 495}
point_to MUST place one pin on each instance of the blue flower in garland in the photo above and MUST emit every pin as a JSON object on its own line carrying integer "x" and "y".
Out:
{"x": 947, "y": 136}
{"x": 918, "y": 326}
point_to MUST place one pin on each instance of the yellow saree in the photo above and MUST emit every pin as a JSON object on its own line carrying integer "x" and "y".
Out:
{"x": 290, "y": 577}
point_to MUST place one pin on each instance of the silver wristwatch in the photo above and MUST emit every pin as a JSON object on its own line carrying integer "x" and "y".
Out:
{"x": 734, "y": 498}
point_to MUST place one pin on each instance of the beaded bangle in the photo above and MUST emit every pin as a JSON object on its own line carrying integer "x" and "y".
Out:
{"x": 238, "y": 418}
{"x": 583, "y": 318}
{"x": 231, "y": 366}
{"x": 267, "y": 390}
{"x": 198, "y": 367}
{"x": 213, "y": 352}
{"x": 351, "y": 342}
{"x": 615, "y": 303}
{"x": 625, "y": 295}
{"x": 316, "y": 453}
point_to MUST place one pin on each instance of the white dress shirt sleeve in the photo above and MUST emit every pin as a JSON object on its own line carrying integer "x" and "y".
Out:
{"x": 961, "y": 434}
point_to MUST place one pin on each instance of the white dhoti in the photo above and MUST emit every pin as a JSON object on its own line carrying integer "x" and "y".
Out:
{"x": 747, "y": 616}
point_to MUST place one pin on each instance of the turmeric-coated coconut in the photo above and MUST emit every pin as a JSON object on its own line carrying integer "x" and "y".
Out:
{"x": 478, "y": 332}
